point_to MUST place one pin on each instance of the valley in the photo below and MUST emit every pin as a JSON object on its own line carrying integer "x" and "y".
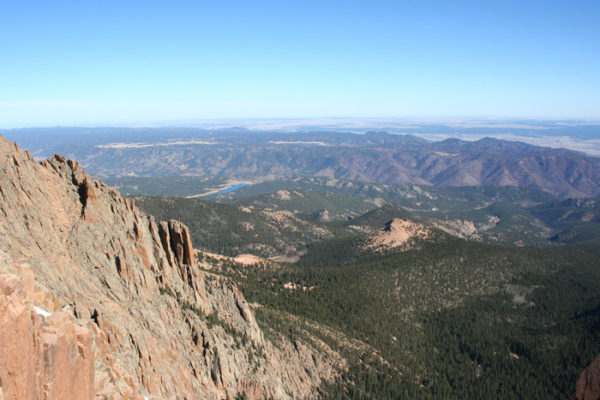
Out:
{"x": 442, "y": 310}
{"x": 494, "y": 214}
{"x": 321, "y": 285}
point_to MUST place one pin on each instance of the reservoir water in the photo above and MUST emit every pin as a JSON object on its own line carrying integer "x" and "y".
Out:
{"x": 230, "y": 188}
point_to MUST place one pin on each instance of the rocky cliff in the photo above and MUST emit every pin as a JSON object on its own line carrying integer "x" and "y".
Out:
{"x": 588, "y": 385}
{"x": 103, "y": 302}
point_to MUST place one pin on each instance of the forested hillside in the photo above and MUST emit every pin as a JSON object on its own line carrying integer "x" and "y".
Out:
{"x": 453, "y": 320}
{"x": 442, "y": 318}
{"x": 232, "y": 230}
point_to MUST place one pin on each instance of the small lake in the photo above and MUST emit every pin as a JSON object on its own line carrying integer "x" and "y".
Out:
{"x": 230, "y": 188}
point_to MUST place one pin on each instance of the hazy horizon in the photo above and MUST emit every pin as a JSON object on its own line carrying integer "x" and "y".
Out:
{"x": 576, "y": 135}
{"x": 367, "y": 122}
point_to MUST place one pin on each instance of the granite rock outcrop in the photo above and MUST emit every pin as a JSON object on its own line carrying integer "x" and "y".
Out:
{"x": 122, "y": 302}
{"x": 588, "y": 385}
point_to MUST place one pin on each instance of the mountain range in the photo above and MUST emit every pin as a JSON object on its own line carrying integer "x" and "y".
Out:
{"x": 372, "y": 157}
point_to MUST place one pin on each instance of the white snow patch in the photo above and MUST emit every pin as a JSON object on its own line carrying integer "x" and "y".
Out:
{"x": 42, "y": 312}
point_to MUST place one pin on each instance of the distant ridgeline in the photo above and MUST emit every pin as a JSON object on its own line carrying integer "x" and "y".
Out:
{"x": 372, "y": 157}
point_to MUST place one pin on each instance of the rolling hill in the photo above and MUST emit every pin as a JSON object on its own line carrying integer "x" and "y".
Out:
{"x": 232, "y": 230}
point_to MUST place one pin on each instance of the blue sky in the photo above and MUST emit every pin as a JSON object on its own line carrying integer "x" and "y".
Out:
{"x": 69, "y": 63}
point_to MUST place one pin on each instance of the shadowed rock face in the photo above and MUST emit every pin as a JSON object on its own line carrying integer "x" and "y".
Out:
{"x": 175, "y": 238}
{"x": 122, "y": 304}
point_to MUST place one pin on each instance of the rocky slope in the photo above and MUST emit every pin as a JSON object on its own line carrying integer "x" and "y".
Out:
{"x": 397, "y": 233}
{"x": 588, "y": 385}
{"x": 103, "y": 302}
